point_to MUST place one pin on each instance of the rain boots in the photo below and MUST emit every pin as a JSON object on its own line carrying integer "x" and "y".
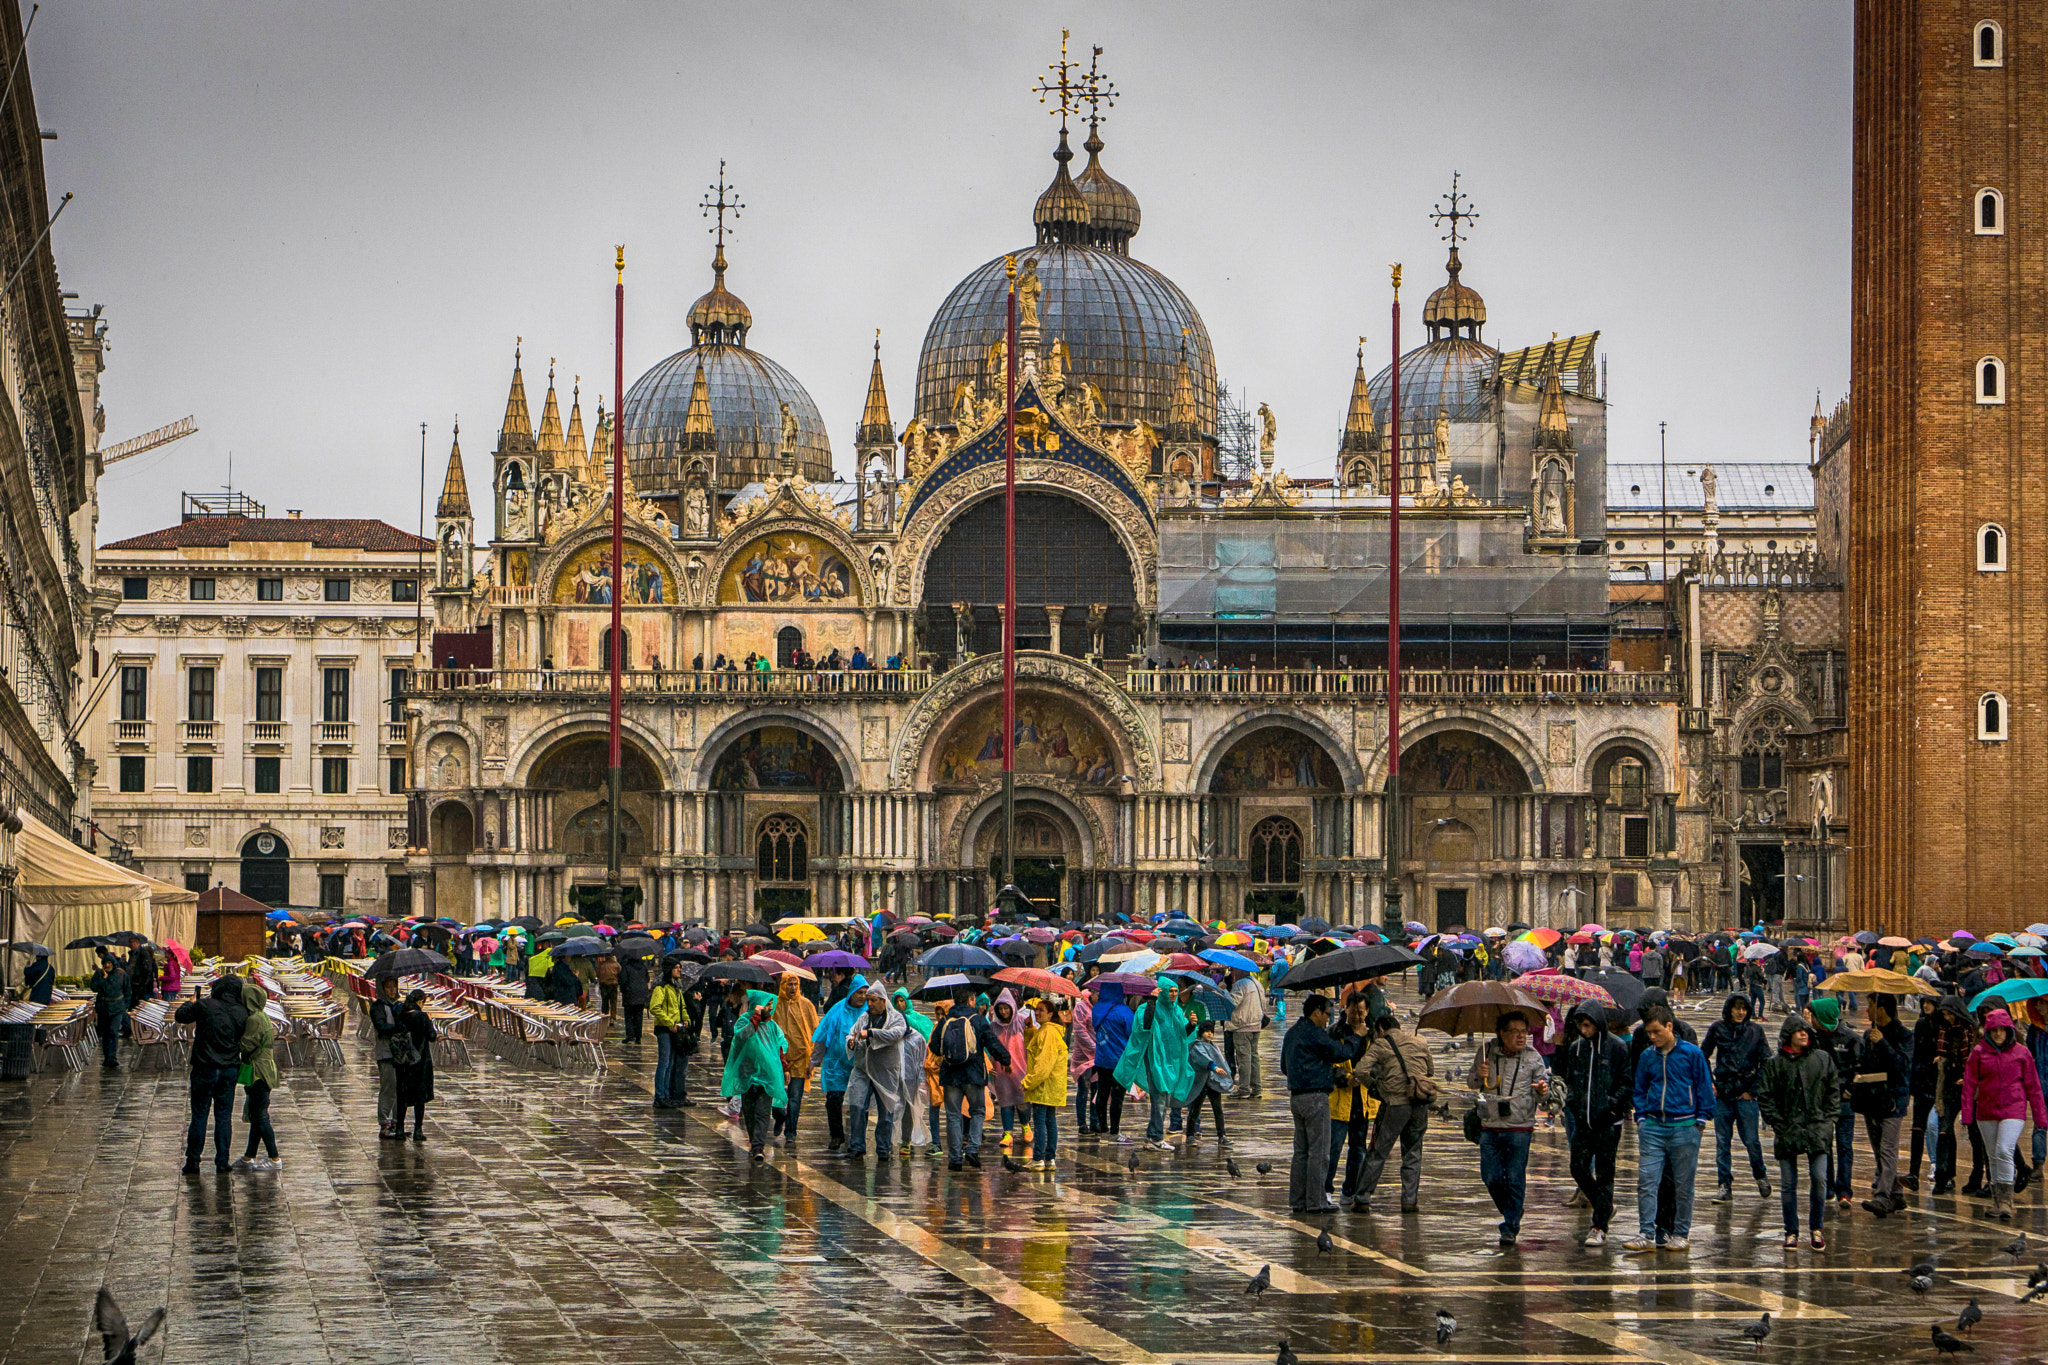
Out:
{"x": 2001, "y": 1200}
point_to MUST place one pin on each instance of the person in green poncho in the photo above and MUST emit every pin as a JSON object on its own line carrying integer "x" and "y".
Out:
{"x": 753, "y": 1064}
{"x": 1156, "y": 1058}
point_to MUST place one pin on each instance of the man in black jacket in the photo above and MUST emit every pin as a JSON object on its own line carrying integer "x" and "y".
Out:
{"x": 635, "y": 990}
{"x": 1883, "y": 1095}
{"x": 217, "y": 1021}
{"x": 1308, "y": 1056}
{"x": 964, "y": 1041}
{"x": 1600, "y": 1092}
{"x": 1737, "y": 1049}
{"x": 109, "y": 983}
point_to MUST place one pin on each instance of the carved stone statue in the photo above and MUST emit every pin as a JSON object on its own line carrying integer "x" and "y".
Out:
{"x": 1028, "y": 290}
{"x": 1820, "y": 793}
{"x": 963, "y": 628}
{"x": 1708, "y": 481}
{"x": 878, "y": 566}
{"x": 1098, "y": 623}
{"x": 693, "y": 568}
{"x": 1550, "y": 510}
{"x": 518, "y": 514}
{"x": 788, "y": 430}
{"x": 964, "y": 403}
{"x": 914, "y": 452}
{"x": 1054, "y": 379}
{"x": 696, "y": 512}
{"x": 874, "y": 503}
{"x": 1267, "y": 431}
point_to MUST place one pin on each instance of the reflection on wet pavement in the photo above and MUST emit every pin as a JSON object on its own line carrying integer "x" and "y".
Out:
{"x": 555, "y": 1218}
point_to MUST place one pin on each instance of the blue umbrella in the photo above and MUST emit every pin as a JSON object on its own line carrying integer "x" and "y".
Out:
{"x": 2006, "y": 992}
{"x": 1215, "y": 1005}
{"x": 958, "y": 955}
{"x": 583, "y": 947}
{"x": 1223, "y": 957}
{"x": 1985, "y": 950}
{"x": 1276, "y": 931}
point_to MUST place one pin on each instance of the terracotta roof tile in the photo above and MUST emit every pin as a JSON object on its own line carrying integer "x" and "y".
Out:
{"x": 327, "y": 533}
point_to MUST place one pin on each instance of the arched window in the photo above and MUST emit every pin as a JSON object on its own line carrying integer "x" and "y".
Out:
{"x": 1276, "y": 851}
{"x": 1991, "y": 548}
{"x": 1763, "y": 752}
{"x": 588, "y": 833}
{"x": 1990, "y": 213}
{"x": 604, "y": 648}
{"x": 1991, "y": 717}
{"x": 1989, "y": 44}
{"x": 783, "y": 851}
{"x": 789, "y": 642}
{"x": 1991, "y": 380}
{"x": 1628, "y": 782}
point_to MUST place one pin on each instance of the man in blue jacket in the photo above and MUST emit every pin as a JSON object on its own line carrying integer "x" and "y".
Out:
{"x": 1674, "y": 1102}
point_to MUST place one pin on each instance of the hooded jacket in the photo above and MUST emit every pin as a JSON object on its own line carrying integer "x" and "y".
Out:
{"x": 1045, "y": 1064}
{"x": 1007, "y": 1083}
{"x": 982, "y": 1046}
{"x": 797, "y": 1017}
{"x": 912, "y": 1016}
{"x": 755, "y": 1057}
{"x": 2001, "y": 1082}
{"x": 1831, "y": 1038}
{"x": 258, "y": 1035}
{"x": 218, "y": 1021}
{"x": 1883, "y": 1080}
{"x": 1081, "y": 1040}
{"x": 1737, "y": 1051}
{"x": 874, "y": 1053}
{"x": 1799, "y": 1095}
{"x": 829, "y": 1038}
{"x": 1156, "y": 1057}
{"x": 1112, "y": 1020}
{"x": 1599, "y": 1085}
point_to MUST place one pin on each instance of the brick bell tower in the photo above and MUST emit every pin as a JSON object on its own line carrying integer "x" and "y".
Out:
{"x": 1947, "y": 574}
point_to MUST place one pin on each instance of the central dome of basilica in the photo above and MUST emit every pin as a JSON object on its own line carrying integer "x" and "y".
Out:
{"x": 1122, "y": 321}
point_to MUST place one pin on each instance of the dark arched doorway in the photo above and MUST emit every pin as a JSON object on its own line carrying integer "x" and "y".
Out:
{"x": 267, "y": 869}
{"x": 1457, "y": 805}
{"x": 1067, "y": 556}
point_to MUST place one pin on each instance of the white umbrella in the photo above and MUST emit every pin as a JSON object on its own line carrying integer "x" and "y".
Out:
{"x": 1757, "y": 952}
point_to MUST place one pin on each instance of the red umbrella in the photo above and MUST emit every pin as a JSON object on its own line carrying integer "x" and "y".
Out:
{"x": 1037, "y": 979}
{"x": 1183, "y": 962}
{"x": 1132, "y": 983}
{"x": 782, "y": 955}
{"x": 1137, "y": 935}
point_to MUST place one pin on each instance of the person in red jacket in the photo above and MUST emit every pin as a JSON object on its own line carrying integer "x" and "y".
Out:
{"x": 2001, "y": 1090}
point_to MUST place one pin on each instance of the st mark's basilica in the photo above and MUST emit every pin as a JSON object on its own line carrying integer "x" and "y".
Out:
{"x": 1201, "y": 712}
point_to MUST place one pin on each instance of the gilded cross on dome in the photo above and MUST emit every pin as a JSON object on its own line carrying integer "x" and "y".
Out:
{"x": 1070, "y": 88}
{"x": 1455, "y": 214}
{"x": 720, "y": 204}
{"x": 1097, "y": 91}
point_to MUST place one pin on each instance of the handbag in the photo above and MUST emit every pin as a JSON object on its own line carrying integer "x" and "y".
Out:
{"x": 1473, "y": 1128}
{"x": 404, "y": 1051}
{"x": 248, "y": 1073}
{"x": 1424, "y": 1090}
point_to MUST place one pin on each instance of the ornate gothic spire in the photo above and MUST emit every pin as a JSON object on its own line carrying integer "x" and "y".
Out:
{"x": 550, "y": 437}
{"x": 578, "y": 450}
{"x": 875, "y": 427}
{"x": 699, "y": 431}
{"x": 1182, "y": 417}
{"x": 518, "y": 417}
{"x": 454, "y": 504}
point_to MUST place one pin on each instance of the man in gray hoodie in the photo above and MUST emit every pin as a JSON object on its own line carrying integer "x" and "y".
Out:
{"x": 874, "y": 1046}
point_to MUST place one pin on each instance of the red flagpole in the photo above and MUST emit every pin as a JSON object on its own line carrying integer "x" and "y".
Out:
{"x": 1010, "y": 584}
{"x": 615, "y": 654}
{"x": 1392, "y": 912}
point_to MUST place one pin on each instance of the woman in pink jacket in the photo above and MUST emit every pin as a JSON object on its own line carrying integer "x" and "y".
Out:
{"x": 2001, "y": 1089}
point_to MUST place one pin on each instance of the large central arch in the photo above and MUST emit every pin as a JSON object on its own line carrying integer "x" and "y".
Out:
{"x": 1068, "y": 554}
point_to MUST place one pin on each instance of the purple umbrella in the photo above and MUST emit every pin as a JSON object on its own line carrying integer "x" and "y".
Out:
{"x": 836, "y": 960}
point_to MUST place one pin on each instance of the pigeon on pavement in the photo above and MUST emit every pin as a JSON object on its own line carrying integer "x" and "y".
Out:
{"x": 1970, "y": 1316}
{"x": 119, "y": 1346}
{"x": 1264, "y": 1168}
{"x": 1286, "y": 1356}
{"x": 1230, "y": 1164}
{"x": 1445, "y": 1326}
{"x": 1133, "y": 1163}
{"x": 2037, "y": 1283}
{"x": 1261, "y": 1282}
{"x": 2016, "y": 1248}
{"x": 1922, "y": 1283}
{"x": 1949, "y": 1345}
{"x": 1012, "y": 1165}
{"x": 1325, "y": 1246}
{"x": 1925, "y": 1267}
{"x": 1758, "y": 1330}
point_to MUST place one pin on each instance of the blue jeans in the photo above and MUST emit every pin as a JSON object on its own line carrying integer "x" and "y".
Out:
{"x": 1816, "y": 1190}
{"x": 1010, "y": 1116}
{"x": 110, "y": 1024}
{"x": 1045, "y": 1131}
{"x": 213, "y": 1087}
{"x": 1084, "y": 1092}
{"x": 957, "y": 1098}
{"x": 1660, "y": 1147}
{"x": 664, "y": 1063}
{"x": 1731, "y": 1117}
{"x": 857, "y": 1130}
{"x": 1840, "y": 1184}
{"x": 1504, "y": 1167}
{"x": 785, "y": 1118}
{"x": 1155, "y": 1118}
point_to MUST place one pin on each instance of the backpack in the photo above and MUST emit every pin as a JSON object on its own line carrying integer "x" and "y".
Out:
{"x": 956, "y": 1040}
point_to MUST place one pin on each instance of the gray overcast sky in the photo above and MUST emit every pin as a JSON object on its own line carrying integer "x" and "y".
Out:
{"x": 317, "y": 225}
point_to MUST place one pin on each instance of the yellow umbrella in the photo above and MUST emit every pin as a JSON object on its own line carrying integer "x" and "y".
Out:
{"x": 569, "y": 919}
{"x": 1878, "y": 981}
{"x": 800, "y": 932}
{"x": 1234, "y": 939}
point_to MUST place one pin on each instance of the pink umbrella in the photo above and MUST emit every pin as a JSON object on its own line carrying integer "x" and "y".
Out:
{"x": 1559, "y": 989}
{"x": 177, "y": 950}
{"x": 606, "y": 930}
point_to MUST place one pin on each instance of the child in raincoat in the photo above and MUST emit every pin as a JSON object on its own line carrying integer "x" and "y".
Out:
{"x": 1045, "y": 1080}
{"x": 753, "y": 1065}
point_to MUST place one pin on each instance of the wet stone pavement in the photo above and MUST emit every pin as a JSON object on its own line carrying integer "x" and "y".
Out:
{"x": 553, "y": 1217}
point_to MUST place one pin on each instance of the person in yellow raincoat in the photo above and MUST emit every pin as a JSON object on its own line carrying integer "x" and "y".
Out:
{"x": 797, "y": 1017}
{"x": 935, "y": 1090}
{"x": 1045, "y": 1080}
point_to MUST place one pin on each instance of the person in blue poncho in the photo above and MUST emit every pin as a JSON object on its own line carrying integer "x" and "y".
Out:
{"x": 1155, "y": 1059}
{"x": 1112, "y": 1020}
{"x": 828, "y": 1048}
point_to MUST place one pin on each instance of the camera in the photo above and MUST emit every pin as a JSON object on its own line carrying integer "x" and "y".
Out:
{"x": 1501, "y": 1108}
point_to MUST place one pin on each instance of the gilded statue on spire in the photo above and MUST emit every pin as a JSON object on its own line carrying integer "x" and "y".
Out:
{"x": 1028, "y": 290}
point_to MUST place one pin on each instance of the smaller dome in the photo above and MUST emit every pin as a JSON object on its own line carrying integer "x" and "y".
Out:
{"x": 1113, "y": 213}
{"x": 1062, "y": 212}
{"x": 719, "y": 318}
{"x": 1455, "y": 309}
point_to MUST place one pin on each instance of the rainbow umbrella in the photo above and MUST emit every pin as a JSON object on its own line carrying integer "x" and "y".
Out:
{"x": 1542, "y": 938}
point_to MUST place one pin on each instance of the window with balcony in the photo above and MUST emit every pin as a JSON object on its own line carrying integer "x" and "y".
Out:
{"x": 270, "y": 590}
{"x": 399, "y": 678}
{"x": 200, "y": 589}
{"x": 199, "y": 693}
{"x": 269, "y": 776}
{"x": 132, "y": 776}
{"x": 269, "y": 695}
{"x": 199, "y": 774}
{"x": 134, "y": 692}
{"x": 336, "y": 590}
{"x": 334, "y": 695}
{"x": 334, "y": 777}
{"x": 134, "y": 588}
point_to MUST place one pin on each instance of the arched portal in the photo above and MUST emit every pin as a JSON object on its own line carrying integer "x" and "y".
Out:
{"x": 1272, "y": 775}
{"x": 1068, "y": 556}
{"x": 577, "y": 770}
{"x": 451, "y": 838}
{"x": 1459, "y": 790}
{"x": 1049, "y": 857}
{"x": 267, "y": 868}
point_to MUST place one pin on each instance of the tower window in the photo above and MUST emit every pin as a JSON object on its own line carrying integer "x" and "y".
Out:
{"x": 1989, "y": 44}
{"x": 1991, "y": 548}
{"x": 1990, "y": 380}
{"x": 1991, "y": 716}
{"x": 1990, "y": 213}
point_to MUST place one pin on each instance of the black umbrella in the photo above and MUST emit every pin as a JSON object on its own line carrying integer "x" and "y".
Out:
{"x": 407, "y": 962}
{"x": 89, "y": 941}
{"x": 758, "y": 931}
{"x": 687, "y": 974}
{"x": 552, "y": 936}
{"x": 1314, "y": 925}
{"x": 39, "y": 949}
{"x": 1626, "y": 988}
{"x": 526, "y": 922}
{"x": 583, "y": 947}
{"x": 959, "y": 956}
{"x": 747, "y": 973}
{"x": 690, "y": 955}
{"x": 1349, "y": 964}
{"x": 636, "y": 945}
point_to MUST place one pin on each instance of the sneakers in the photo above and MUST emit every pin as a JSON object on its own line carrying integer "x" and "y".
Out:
{"x": 1160, "y": 1146}
{"x": 1124, "y": 1141}
{"x": 1763, "y": 1189}
{"x": 974, "y": 1160}
{"x": 1817, "y": 1242}
{"x": 1596, "y": 1238}
{"x": 1877, "y": 1204}
{"x": 1677, "y": 1244}
{"x": 1724, "y": 1194}
{"x": 1637, "y": 1246}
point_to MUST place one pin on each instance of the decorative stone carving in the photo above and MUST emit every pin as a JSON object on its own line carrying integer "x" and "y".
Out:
{"x": 234, "y": 589}
{"x": 195, "y": 836}
{"x": 234, "y": 625}
{"x": 330, "y": 836}
{"x": 394, "y": 836}
{"x": 956, "y": 831}
{"x": 1563, "y": 742}
{"x": 302, "y": 589}
{"x": 941, "y": 704}
{"x": 165, "y": 589}
{"x": 303, "y": 625}
{"x": 1176, "y": 740}
{"x": 202, "y": 625}
{"x": 874, "y": 739}
{"x": 337, "y": 625}
{"x": 131, "y": 835}
{"x": 494, "y": 738}
{"x": 169, "y": 625}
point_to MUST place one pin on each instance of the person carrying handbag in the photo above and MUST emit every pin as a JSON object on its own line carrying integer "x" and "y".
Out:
{"x": 1397, "y": 1069}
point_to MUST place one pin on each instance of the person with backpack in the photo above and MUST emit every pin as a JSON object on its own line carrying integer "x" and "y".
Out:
{"x": 217, "y": 1019}
{"x": 1212, "y": 1082}
{"x": 1599, "y": 1085}
{"x": 1398, "y": 1070}
{"x": 968, "y": 1046}
{"x": 1883, "y": 1095}
{"x": 1797, "y": 1093}
{"x": 1737, "y": 1049}
{"x": 1112, "y": 1020}
{"x": 1241, "y": 1034}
